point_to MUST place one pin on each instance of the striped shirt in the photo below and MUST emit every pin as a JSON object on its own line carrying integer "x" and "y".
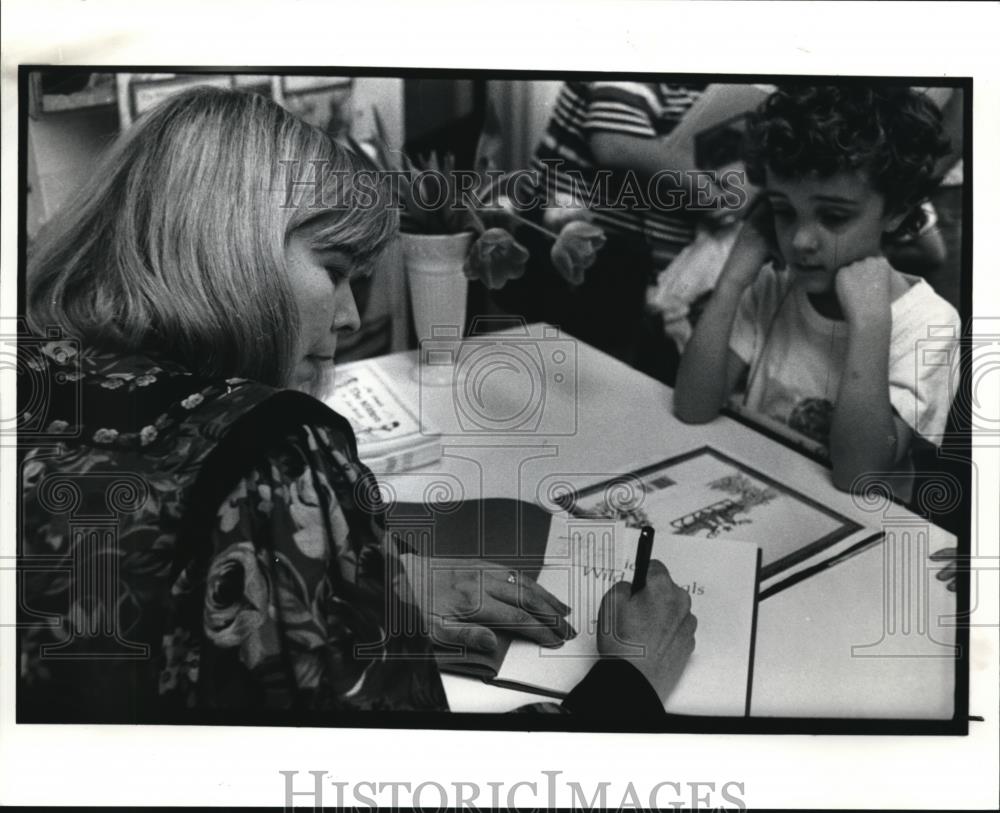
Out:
{"x": 564, "y": 159}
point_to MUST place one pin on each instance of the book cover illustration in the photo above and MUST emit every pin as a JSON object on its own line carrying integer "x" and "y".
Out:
{"x": 389, "y": 434}
{"x": 707, "y": 495}
{"x": 730, "y": 512}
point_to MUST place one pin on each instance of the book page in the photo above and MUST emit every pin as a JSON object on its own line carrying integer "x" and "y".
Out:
{"x": 584, "y": 560}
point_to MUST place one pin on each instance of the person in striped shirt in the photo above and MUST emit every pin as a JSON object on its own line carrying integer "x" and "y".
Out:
{"x": 603, "y": 144}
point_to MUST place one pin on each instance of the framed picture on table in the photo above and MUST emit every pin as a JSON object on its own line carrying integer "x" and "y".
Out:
{"x": 709, "y": 495}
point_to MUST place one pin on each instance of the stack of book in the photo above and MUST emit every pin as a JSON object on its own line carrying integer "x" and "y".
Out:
{"x": 390, "y": 435}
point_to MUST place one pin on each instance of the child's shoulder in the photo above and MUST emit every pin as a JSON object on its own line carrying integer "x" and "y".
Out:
{"x": 921, "y": 318}
{"x": 918, "y": 302}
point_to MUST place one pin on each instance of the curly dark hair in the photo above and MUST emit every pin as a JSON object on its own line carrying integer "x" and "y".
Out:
{"x": 892, "y": 133}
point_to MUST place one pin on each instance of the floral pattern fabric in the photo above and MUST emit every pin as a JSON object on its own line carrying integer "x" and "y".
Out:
{"x": 193, "y": 545}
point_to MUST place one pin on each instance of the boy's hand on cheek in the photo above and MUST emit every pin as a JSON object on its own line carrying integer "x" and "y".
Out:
{"x": 758, "y": 230}
{"x": 864, "y": 290}
{"x": 755, "y": 245}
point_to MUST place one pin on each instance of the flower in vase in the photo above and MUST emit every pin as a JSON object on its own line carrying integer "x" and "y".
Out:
{"x": 495, "y": 258}
{"x": 437, "y": 198}
{"x": 575, "y": 249}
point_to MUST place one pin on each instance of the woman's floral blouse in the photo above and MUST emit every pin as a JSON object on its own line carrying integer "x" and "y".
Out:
{"x": 202, "y": 545}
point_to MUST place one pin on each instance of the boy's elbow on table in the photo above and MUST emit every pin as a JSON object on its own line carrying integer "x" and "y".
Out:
{"x": 843, "y": 480}
{"x": 851, "y": 478}
{"x": 846, "y": 472}
{"x": 694, "y": 413}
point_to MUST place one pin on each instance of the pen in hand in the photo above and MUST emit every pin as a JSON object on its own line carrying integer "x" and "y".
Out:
{"x": 643, "y": 551}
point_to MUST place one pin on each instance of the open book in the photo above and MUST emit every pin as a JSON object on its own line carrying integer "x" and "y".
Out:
{"x": 578, "y": 561}
{"x": 389, "y": 434}
{"x": 721, "y": 576}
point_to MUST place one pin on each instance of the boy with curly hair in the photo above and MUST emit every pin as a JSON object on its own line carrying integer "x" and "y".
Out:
{"x": 807, "y": 310}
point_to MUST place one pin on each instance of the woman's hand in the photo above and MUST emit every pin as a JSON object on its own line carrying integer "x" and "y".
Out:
{"x": 654, "y": 629}
{"x": 949, "y": 573}
{"x": 462, "y": 599}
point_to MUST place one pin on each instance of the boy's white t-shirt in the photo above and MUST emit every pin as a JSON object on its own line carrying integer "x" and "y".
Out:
{"x": 796, "y": 356}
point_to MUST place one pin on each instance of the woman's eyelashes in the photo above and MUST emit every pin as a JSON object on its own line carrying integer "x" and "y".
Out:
{"x": 338, "y": 273}
{"x": 343, "y": 268}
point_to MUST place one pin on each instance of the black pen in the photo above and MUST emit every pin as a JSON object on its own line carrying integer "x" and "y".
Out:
{"x": 643, "y": 551}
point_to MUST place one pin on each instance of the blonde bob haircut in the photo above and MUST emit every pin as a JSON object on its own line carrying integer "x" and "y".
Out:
{"x": 175, "y": 248}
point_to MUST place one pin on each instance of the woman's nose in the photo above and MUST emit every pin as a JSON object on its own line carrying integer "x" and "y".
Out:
{"x": 346, "y": 317}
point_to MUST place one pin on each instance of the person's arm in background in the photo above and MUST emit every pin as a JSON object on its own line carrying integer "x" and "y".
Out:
{"x": 645, "y": 156}
{"x": 649, "y": 156}
{"x": 676, "y": 178}
{"x": 649, "y": 153}
{"x": 625, "y": 132}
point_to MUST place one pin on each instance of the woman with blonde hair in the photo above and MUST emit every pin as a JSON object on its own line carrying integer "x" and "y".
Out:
{"x": 198, "y": 535}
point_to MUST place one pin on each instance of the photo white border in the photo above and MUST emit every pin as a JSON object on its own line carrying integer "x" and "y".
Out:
{"x": 177, "y": 766}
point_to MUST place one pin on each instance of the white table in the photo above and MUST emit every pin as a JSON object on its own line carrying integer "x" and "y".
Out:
{"x": 867, "y": 638}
